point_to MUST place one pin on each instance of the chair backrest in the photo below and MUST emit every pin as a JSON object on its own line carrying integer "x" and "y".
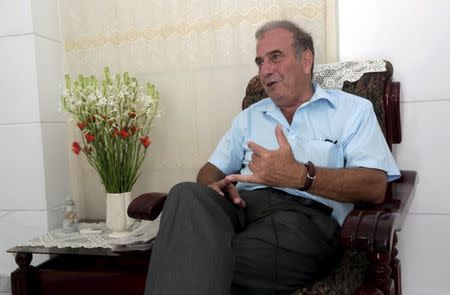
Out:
{"x": 369, "y": 79}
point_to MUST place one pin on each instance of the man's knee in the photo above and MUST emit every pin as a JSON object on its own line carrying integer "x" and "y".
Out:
{"x": 184, "y": 187}
{"x": 189, "y": 191}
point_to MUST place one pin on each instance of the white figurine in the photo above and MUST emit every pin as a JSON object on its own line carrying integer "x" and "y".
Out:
{"x": 70, "y": 217}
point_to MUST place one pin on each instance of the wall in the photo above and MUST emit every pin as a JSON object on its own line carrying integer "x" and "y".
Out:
{"x": 415, "y": 36}
{"x": 33, "y": 148}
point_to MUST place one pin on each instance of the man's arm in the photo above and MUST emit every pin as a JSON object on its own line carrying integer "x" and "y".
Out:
{"x": 349, "y": 184}
{"x": 278, "y": 168}
{"x": 209, "y": 174}
{"x": 213, "y": 177}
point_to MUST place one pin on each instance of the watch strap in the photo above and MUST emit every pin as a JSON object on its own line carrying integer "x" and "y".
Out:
{"x": 310, "y": 176}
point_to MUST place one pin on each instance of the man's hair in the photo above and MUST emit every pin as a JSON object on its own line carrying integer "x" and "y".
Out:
{"x": 302, "y": 40}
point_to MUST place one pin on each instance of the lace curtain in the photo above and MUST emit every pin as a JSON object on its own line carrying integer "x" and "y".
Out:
{"x": 199, "y": 53}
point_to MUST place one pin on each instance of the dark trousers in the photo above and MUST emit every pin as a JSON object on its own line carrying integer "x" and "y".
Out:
{"x": 208, "y": 246}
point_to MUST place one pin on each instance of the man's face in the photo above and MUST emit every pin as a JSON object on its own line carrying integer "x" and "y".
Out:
{"x": 284, "y": 76}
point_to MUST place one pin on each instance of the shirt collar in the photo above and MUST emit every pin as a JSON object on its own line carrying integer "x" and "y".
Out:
{"x": 320, "y": 93}
{"x": 267, "y": 104}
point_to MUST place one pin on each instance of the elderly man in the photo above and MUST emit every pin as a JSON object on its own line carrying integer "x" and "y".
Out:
{"x": 300, "y": 158}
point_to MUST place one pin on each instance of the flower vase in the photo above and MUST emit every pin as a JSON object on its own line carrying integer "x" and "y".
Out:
{"x": 117, "y": 219}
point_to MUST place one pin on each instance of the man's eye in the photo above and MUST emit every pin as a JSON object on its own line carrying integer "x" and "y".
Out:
{"x": 276, "y": 57}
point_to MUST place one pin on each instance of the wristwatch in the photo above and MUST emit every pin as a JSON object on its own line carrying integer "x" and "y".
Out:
{"x": 310, "y": 176}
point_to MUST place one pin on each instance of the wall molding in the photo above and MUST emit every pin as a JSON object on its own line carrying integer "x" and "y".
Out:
{"x": 425, "y": 100}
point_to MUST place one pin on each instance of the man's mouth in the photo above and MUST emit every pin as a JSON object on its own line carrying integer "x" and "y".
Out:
{"x": 270, "y": 84}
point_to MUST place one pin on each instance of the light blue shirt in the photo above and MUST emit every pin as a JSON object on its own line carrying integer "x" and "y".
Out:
{"x": 333, "y": 129}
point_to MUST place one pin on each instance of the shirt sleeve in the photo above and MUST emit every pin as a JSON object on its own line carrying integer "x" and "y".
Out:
{"x": 365, "y": 146}
{"x": 229, "y": 153}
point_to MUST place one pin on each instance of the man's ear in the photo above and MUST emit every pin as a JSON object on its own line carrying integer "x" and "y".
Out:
{"x": 307, "y": 61}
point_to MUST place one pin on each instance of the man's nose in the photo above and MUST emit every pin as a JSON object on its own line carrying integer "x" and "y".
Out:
{"x": 266, "y": 69}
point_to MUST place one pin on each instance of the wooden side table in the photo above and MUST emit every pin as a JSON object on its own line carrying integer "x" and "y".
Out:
{"x": 80, "y": 271}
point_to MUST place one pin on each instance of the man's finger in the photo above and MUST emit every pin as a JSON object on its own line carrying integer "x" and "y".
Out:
{"x": 281, "y": 138}
{"x": 243, "y": 178}
{"x": 235, "y": 197}
{"x": 256, "y": 148}
{"x": 217, "y": 189}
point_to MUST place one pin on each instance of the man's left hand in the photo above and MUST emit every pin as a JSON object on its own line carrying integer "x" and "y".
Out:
{"x": 275, "y": 168}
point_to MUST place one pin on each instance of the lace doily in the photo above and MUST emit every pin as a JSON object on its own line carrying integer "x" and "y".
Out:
{"x": 332, "y": 76}
{"x": 94, "y": 235}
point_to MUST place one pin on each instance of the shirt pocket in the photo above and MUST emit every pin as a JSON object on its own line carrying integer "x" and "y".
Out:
{"x": 324, "y": 153}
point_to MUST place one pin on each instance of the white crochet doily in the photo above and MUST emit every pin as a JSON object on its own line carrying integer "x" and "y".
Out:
{"x": 332, "y": 76}
{"x": 94, "y": 235}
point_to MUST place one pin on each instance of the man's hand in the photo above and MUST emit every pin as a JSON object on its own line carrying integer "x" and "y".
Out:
{"x": 276, "y": 168}
{"x": 227, "y": 189}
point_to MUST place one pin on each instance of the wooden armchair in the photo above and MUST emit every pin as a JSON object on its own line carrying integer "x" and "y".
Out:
{"x": 369, "y": 233}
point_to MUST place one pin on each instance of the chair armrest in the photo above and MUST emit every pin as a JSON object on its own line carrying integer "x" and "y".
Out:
{"x": 147, "y": 206}
{"x": 373, "y": 229}
{"x": 402, "y": 194}
{"x": 370, "y": 230}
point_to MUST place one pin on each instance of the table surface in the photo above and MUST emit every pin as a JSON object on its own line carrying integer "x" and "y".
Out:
{"x": 77, "y": 251}
{"x": 74, "y": 251}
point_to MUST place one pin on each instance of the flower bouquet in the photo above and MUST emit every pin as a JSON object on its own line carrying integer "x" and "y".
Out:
{"x": 114, "y": 117}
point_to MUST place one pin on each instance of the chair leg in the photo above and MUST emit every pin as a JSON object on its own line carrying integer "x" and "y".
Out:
{"x": 367, "y": 290}
{"x": 380, "y": 272}
{"x": 396, "y": 268}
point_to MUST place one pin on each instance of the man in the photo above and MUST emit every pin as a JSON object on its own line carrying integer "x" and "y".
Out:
{"x": 300, "y": 158}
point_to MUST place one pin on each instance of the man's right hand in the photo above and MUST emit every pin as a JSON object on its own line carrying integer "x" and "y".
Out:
{"x": 227, "y": 189}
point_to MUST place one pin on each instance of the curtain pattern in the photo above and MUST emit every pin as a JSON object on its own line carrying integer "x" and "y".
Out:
{"x": 199, "y": 54}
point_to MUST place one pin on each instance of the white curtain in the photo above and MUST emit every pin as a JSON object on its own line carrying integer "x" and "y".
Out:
{"x": 199, "y": 53}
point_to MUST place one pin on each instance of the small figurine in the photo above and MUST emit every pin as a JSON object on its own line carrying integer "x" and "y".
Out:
{"x": 70, "y": 217}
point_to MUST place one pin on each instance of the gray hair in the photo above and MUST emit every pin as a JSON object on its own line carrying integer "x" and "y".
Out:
{"x": 302, "y": 40}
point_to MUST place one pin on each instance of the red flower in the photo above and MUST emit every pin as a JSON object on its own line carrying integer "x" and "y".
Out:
{"x": 76, "y": 148}
{"x": 132, "y": 115}
{"x": 124, "y": 133}
{"x": 145, "y": 140}
{"x": 89, "y": 137}
{"x": 81, "y": 125}
{"x": 133, "y": 129}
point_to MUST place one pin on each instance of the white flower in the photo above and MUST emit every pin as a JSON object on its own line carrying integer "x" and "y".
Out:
{"x": 102, "y": 102}
{"x": 92, "y": 97}
{"x": 147, "y": 100}
{"x": 99, "y": 94}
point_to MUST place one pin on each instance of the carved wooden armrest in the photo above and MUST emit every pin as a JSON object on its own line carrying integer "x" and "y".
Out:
{"x": 147, "y": 206}
{"x": 374, "y": 230}
{"x": 370, "y": 230}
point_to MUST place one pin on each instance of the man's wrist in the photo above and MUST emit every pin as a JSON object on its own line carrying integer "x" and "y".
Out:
{"x": 310, "y": 176}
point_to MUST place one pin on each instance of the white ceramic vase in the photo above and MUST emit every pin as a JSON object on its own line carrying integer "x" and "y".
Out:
{"x": 117, "y": 219}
